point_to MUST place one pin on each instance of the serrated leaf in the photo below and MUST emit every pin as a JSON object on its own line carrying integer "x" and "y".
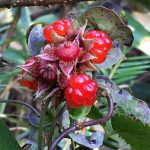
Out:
{"x": 112, "y": 58}
{"x": 123, "y": 99}
{"x": 36, "y": 40}
{"x": 107, "y": 20}
{"x": 134, "y": 132}
{"x": 7, "y": 140}
{"x": 80, "y": 112}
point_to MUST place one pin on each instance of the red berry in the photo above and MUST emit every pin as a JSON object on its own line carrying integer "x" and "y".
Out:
{"x": 100, "y": 56}
{"x": 90, "y": 101}
{"x": 60, "y": 27}
{"x": 81, "y": 91}
{"x": 103, "y": 34}
{"x": 92, "y": 34}
{"x": 70, "y": 102}
{"x": 108, "y": 43}
{"x": 67, "y": 22}
{"x": 77, "y": 96}
{"x": 79, "y": 80}
{"x": 47, "y": 32}
{"x": 67, "y": 52}
{"x": 89, "y": 89}
{"x": 101, "y": 45}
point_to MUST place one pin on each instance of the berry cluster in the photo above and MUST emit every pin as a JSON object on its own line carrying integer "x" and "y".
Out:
{"x": 101, "y": 45}
{"x": 64, "y": 61}
{"x": 59, "y": 27}
{"x": 81, "y": 91}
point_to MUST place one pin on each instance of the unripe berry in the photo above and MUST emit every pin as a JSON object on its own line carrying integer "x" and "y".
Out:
{"x": 81, "y": 91}
{"x": 67, "y": 52}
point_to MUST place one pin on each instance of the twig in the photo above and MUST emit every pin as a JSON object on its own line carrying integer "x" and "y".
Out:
{"x": 21, "y": 3}
{"x": 21, "y": 103}
{"x": 86, "y": 124}
{"x": 11, "y": 30}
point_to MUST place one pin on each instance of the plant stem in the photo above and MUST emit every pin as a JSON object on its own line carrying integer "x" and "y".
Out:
{"x": 40, "y": 134}
{"x": 114, "y": 69}
{"x": 42, "y": 117}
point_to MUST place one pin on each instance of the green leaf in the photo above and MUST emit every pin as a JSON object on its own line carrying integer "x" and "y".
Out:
{"x": 25, "y": 19}
{"x": 80, "y": 112}
{"x": 131, "y": 68}
{"x": 135, "y": 63}
{"x": 107, "y": 20}
{"x": 94, "y": 113}
{"x": 46, "y": 19}
{"x": 14, "y": 56}
{"x": 7, "y": 140}
{"x": 134, "y": 132}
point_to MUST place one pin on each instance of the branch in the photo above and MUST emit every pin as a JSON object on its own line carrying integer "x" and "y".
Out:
{"x": 21, "y": 103}
{"x": 11, "y": 30}
{"x": 86, "y": 124}
{"x": 22, "y": 3}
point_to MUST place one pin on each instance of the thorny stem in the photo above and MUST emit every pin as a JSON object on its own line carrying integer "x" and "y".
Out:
{"x": 21, "y": 3}
{"x": 42, "y": 117}
{"x": 86, "y": 124}
{"x": 11, "y": 30}
{"x": 21, "y": 103}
